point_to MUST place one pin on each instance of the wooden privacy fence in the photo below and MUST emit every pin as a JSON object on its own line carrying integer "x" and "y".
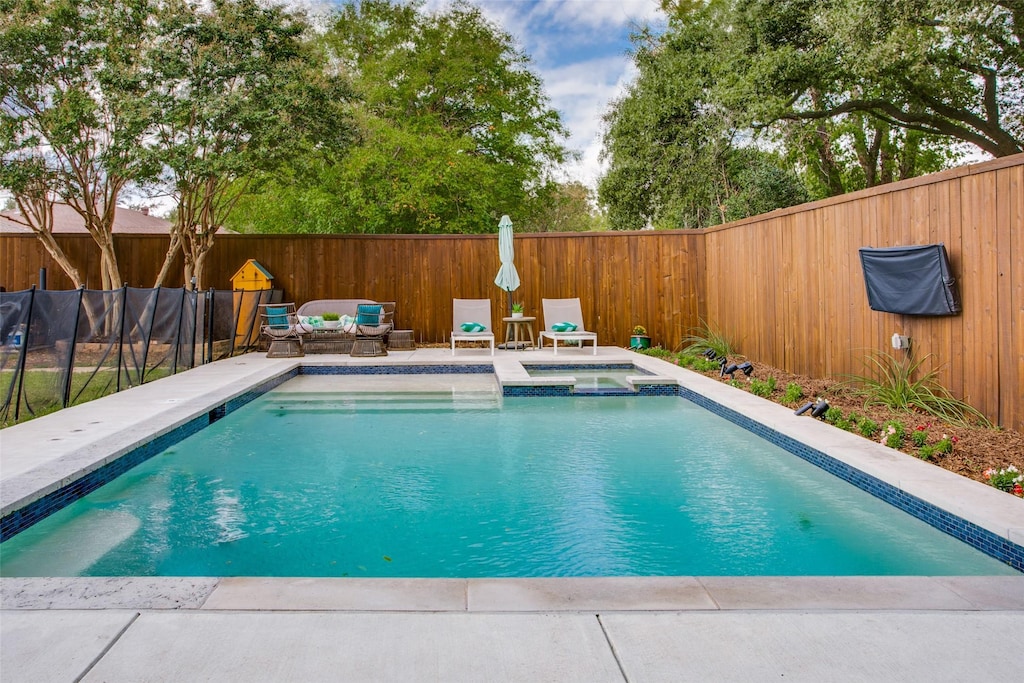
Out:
{"x": 785, "y": 287}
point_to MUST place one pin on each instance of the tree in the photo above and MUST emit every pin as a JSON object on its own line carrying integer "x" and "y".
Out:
{"x": 672, "y": 146}
{"x": 239, "y": 89}
{"x": 779, "y": 76}
{"x": 454, "y": 129}
{"x": 946, "y": 68}
{"x": 570, "y": 208}
{"x": 72, "y": 119}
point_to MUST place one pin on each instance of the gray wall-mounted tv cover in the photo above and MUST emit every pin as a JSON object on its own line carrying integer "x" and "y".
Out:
{"x": 910, "y": 280}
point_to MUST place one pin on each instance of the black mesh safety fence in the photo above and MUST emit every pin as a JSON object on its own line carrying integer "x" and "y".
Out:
{"x": 61, "y": 348}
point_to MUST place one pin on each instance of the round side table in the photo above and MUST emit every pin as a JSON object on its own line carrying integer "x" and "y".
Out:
{"x": 514, "y": 332}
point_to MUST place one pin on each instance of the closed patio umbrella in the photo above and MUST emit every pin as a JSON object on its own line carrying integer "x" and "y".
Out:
{"x": 508, "y": 277}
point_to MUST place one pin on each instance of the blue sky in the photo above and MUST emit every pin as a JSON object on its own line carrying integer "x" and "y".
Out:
{"x": 579, "y": 49}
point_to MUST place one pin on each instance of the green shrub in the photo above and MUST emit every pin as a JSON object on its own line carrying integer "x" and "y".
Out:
{"x": 701, "y": 364}
{"x": 919, "y": 436}
{"x": 658, "y": 352}
{"x": 893, "y": 433}
{"x": 735, "y": 383}
{"x": 833, "y": 415}
{"x": 844, "y": 424}
{"x": 762, "y": 388}
{"x": 794, "y": 392}
{"x": 926, "y": 452}
{"x": 891, "y": 384}
{"x": 701, "y": 339}
{"x": 867, "y": 427}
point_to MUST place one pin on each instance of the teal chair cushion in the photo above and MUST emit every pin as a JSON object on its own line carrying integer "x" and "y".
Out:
{"x": 563, "y": 327}
{"x": 369, "y": 314}
{"x": 277, "y": 317}
{"x": 473, "y": 327}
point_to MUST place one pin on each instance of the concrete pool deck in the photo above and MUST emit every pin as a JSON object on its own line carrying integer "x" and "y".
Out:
{"x": 614, "y": 629}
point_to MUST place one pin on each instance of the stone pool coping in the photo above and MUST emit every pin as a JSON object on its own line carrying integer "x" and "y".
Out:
{"x": 46, "y": 453}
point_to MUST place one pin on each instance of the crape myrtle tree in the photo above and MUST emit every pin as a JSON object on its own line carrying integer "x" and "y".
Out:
{"x": 239, "y": 88}
{"x": 454, "y": 131}
{"x": 72, "y": 114}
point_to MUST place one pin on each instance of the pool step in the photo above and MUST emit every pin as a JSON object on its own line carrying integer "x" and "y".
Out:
{"x": 374, "y": 402}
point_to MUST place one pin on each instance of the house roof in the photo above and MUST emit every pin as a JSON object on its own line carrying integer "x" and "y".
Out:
{"x": 66, "y": 220}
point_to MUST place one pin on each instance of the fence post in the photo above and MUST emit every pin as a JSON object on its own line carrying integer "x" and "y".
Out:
{"x": 66, "y": 398}
{"x": 177, "y": 334}
{"x": 194, "y": 298}
{"x": 149, "y": 334}
{"x": 23, "y": 356}
{"x": 210, "y": 301}
{"x": 120, "y": 334}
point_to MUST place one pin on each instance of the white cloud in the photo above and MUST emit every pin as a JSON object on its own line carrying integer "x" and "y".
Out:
{"x": 614, "y": 14}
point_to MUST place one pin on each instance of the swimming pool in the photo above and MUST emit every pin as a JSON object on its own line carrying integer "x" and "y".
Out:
{"x": 689, "y": 494}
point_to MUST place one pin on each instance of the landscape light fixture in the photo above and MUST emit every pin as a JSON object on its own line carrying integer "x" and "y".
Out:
{"x": 817, "y": 408}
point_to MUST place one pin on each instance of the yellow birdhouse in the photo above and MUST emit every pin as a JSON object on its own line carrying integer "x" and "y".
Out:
{"x": 252, "y": 276}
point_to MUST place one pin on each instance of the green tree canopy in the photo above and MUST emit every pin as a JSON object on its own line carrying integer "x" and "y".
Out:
{"x": 454, "y": 130}
{"x": 847, "y": 94}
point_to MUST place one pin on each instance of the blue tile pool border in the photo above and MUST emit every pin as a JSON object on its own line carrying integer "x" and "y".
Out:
{"x": 481, "y": 369}
{"x": 973, "y": 535}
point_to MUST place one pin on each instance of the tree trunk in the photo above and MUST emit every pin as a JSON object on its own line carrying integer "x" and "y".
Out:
{"x": 62, "y": 260}
{"x": 172, "y": 250}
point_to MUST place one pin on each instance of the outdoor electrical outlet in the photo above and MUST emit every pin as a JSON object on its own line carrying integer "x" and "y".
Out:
{"x": 900, "y": 342}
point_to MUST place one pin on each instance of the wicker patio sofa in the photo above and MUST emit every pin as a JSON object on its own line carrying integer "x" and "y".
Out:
{"x": 330, "y": 341}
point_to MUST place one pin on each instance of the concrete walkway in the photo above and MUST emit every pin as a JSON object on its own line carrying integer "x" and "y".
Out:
{"x": 609, "y": 629}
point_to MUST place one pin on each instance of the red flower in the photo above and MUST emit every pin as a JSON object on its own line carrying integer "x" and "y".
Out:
{"x": 1017, "y": 490}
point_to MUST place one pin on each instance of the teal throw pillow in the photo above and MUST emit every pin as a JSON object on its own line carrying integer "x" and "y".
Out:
{"x": 277, "y": 317}
{"x": 473, "y": 327}
{"x": 368, "y": 314}
{"x": 563, "y": 327}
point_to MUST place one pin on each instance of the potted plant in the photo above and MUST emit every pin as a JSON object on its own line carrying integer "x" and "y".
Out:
{"x": 331, "y": 321}
{"x": 639, "y": 338}
{"x": 517, "y": 310}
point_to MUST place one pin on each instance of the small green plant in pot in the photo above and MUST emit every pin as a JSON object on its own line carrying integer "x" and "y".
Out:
{"x": 517, "y": 310}
{"x": 331, "y": 320}
{"x": 639, "y": 338}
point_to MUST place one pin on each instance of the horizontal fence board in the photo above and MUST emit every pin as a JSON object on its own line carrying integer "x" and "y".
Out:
{"x": 785, "y": 288}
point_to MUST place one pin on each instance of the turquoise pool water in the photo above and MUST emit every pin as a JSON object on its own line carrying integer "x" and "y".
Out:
{"x": 429, "y": 485}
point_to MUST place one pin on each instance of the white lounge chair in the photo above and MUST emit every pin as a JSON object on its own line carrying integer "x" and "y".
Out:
{"x": 472, "y": 312}
{"x": 558, "y": 312}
